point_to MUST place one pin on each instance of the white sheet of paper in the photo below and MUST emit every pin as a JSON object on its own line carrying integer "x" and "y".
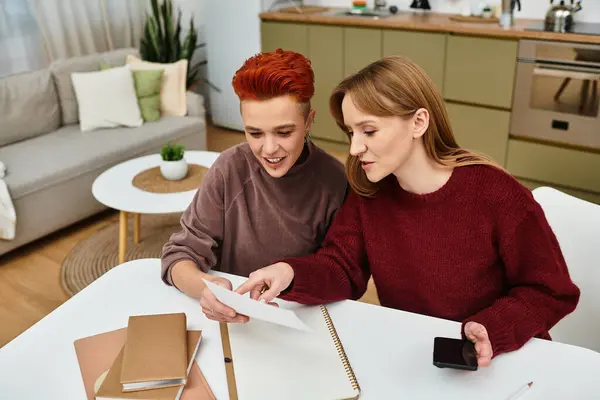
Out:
{"x": 255, "y": 309}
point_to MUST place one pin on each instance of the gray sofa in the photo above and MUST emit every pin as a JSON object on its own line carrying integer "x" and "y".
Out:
{"x": 51, "y": 164}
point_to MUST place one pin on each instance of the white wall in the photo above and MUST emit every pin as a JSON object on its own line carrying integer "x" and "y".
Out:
{"x": 535, "y": 9}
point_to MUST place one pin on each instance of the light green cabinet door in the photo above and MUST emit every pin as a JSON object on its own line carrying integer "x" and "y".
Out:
{"x": 480, "y": 70}
{"x": 326, "y": 46}
{"x": 426, "y": 49}
{"x": 480, "y": 129}
{"x": 284, "y": 35}
{"x": 567, "y": 167}
{"x": 362, "y": 46}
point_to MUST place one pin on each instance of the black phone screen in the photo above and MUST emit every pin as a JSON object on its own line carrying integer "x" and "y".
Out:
{"x": 454, "y": 353}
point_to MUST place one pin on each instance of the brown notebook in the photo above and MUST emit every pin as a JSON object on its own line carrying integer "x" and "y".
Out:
{"x": 154, "y": 354}
{"x": 195, "y": 387}
{"x": 96, "y": 354}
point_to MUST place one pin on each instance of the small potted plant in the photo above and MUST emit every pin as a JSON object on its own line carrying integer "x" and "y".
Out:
{"x": 487, "y": 12}
{"x": 173, "y": 166}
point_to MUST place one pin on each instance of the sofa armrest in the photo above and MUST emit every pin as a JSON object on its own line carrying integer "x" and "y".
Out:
{"x": 195, "y": 104}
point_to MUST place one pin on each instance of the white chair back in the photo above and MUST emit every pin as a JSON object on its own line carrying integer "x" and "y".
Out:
{"x": 576, "y": 224}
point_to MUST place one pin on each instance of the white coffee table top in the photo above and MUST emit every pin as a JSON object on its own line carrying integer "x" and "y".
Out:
{"x": 114, "y": 187}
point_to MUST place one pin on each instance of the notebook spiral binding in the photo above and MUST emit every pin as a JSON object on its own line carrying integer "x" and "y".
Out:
{"x": 340, "y": 349}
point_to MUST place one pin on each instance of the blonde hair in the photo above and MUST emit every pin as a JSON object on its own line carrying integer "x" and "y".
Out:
{"x": 395, "y": 86}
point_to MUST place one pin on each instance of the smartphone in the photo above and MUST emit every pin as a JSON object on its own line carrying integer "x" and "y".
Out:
{"x": 454, "y": 353}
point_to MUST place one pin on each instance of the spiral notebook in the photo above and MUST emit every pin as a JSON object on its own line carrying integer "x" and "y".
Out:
{"x": 271, "y": 361}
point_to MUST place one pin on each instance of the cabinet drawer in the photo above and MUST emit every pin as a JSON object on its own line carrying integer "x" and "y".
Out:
{"x": 426, "y": 49}
{"x": 480, "y": 129}
{"x": 326, "y": 46}
{"x": 543, "y": 163}
{"x": 362, "y": 46}
{"x": 480, "y": 70}
{"x": 284, "y": 35}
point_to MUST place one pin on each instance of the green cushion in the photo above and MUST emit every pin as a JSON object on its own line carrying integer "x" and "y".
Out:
{"x": 147, "y": 89}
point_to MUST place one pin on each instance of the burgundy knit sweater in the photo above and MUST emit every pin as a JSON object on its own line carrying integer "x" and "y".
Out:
{"x": 477, "y": 249}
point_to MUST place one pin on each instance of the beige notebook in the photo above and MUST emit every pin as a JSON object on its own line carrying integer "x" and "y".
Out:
{"x": 154, "y": 354}
{"x": 110, "y": 387}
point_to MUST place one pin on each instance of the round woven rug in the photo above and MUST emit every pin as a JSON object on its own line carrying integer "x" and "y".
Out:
{"x": 94, "y": 256}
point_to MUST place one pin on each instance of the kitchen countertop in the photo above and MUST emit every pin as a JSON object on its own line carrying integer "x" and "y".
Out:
{"x": 431, "y": 22}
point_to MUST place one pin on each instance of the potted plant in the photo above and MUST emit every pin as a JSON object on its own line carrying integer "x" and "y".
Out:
{"x": 173, "y": 166}
{"x": 487, "y": 12}
{"x": 162, "y": 42}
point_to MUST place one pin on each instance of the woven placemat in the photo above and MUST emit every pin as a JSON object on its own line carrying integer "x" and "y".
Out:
{"x": 93, "y": 257}
{"x": 151, "y": 180}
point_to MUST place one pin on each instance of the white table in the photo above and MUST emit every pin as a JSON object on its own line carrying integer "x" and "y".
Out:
{"x": 114, "y": 189}
{"x": 389, "y": 350}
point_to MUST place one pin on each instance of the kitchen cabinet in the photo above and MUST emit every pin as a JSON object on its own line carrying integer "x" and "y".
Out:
{"x": 475, "y": 75}
{"x": 424, "y": 48}
{"x": 554, "y": 165}
{"x": 285, "y": 35}
{"x": 326, "y": 46}
{"x": 480, "y": 70}
{"x": 362, "y": 46}
{"x": 480, "y": 129}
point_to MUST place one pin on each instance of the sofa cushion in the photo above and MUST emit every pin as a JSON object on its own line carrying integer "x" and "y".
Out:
{"x": 28, "y": 106}
{"x": 62, "y": 69}
{"x": 147, "y": 90}
{"x": 106, "y": 99}
{"x": 67, "y": 153}
{"x": 173, "y": 85}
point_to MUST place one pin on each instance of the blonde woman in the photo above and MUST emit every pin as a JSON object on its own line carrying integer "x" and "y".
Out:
{"x": 443, "y": 231}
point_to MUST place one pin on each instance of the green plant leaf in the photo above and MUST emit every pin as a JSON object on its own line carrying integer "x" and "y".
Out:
{"x": 154, "y": 37}
{"x": 193, "y": 35}
{"x": 185, "y": 47}
{"x": 172, "y": 152}
{"x": 168, "y": 33}
{"x": 161, "y": 41}
{"x": 177, "y": 35}
{"x": 157, "y": 23}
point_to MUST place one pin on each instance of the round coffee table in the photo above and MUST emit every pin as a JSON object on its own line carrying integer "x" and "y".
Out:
{"x": 114, "y": 189}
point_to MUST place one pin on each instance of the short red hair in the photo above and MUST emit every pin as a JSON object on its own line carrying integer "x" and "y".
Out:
{"x": 278, "y": 73}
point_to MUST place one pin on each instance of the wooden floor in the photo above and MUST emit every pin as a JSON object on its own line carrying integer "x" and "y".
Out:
{"x": 29, "y": 276}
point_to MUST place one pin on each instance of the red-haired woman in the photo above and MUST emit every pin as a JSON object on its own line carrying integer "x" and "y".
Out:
{"x": 443, "y": 231}
{"x": 273, "y": 196}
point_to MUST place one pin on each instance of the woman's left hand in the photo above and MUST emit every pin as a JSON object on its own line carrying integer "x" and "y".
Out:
{"x": 477, "y": 334}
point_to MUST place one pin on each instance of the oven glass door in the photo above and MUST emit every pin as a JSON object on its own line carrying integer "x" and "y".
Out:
{"x": 571, "y": 90}
{"x": 557, "y": 103}
{"x": 556, "y": 96}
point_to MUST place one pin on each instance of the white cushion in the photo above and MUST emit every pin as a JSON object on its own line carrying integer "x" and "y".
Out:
{"x": 106, "y": 99}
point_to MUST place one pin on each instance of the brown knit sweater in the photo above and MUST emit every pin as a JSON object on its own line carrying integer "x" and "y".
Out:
{"x": 242, "y": 219}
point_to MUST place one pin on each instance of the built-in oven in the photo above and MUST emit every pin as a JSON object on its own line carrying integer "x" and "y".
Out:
{"x": 556, "y": 93}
